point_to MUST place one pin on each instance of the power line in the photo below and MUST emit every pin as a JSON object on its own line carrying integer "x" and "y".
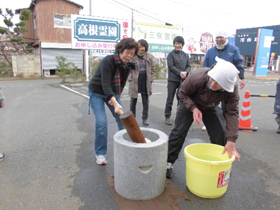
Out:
{"x": 121, "y": 7}
{"x": 117, "y": 5}
{"x": 194, "y": 6}
{"x": 143, "y": 9}
{"x": 164, "y": 21}
{"x": 139, "y": 11}
{"x": 128, "y": 9}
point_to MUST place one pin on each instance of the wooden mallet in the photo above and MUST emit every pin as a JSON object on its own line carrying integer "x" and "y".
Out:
{"x": 132, "y": 127}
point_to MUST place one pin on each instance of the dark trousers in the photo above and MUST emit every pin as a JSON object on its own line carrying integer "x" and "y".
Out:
{"x": 145, "y": 103}
{"x": 171, "y": 91}
{"x": 277, "y": 99}
{"x": 213, "y": 120}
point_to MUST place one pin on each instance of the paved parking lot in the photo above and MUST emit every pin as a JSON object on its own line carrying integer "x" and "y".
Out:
{"x": 49, "y": 139}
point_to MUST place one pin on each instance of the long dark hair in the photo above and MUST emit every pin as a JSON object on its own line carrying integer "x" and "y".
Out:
{"x": 126, "y": 43}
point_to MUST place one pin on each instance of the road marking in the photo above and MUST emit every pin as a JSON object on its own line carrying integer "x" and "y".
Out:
{"x": 74, "y": 91}
{"x": 15, "y": 86}
{"x": 251, "y": 83}
{"x": 159, "y": 84}
{"x": 123, "y": 96}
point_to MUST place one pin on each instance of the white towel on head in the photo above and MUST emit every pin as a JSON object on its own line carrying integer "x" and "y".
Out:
{"x": 224, "y": 73}
{"x": 221, "y": 34}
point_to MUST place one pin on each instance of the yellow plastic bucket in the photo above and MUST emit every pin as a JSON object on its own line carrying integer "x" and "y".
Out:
{"x": 207, "y": 169}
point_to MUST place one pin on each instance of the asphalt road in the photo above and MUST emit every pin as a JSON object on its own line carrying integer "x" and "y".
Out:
{"x": 48, "y": 137}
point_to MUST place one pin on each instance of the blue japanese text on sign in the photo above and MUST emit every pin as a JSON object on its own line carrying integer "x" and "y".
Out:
{"x": 93, "y": 33}
{"x": 96, "y": 30}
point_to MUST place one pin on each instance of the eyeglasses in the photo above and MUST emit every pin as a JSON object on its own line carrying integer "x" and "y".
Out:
{"x": 130, "y": 52}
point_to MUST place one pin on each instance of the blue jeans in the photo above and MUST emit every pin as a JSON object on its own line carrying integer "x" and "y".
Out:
{"x": 97, "y": 103}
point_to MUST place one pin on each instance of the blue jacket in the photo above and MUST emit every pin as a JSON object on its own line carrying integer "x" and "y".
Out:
{"x": 229, "y": 53}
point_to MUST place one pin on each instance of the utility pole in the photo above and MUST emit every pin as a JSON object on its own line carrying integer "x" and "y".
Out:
{"x": 90, "y": 51}
{"x": 86, "y": 53}
{"x": 131, "y": 23}
{"x": 90, "y": 7}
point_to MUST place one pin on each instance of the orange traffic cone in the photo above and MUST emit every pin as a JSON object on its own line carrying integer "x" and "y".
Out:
{"x": 245, "y": 116}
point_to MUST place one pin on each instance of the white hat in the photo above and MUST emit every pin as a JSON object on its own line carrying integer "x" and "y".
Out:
{"x": 221, "y": 34}
{"x": 224, "y": 73}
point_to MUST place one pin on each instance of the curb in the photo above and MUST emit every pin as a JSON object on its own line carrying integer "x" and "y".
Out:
{"x": 262, "y": 77}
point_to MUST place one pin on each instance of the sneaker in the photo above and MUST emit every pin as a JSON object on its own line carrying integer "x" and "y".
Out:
{"x": 278, "y": 130}
{"x": 203, "y": 128}
{"x": 168, "y": 121}
{"x": 277, "y": 119}
{"x": 101, "y": 159}
{"x": 146, "y": 122}
{"x": 169, "y": 172}
{"x": 2, "y": 156}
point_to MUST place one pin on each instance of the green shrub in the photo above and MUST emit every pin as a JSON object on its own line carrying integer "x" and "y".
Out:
{"x": 195, "y": 66}
{"x": 63, "y": 67}
{"x": 5, "y": 71}
{"x": 161, "y": 70}
{"x": 94, "y": 63}
{"x": 75, "y": 73}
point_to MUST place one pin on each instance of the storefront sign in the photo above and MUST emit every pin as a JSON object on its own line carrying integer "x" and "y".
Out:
{"x": 99, "y": 35}
{"x": 262, "y": 54}
{"x": 159, "y": 37}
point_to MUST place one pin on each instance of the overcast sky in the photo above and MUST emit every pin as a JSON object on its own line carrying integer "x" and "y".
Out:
{"x": 195, "y": 16}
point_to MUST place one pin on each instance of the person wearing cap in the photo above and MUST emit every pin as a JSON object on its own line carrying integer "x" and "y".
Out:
{"x": 179, "y": 66}
{"x": 200, "y": 95}
{"x": 223, "y": 49}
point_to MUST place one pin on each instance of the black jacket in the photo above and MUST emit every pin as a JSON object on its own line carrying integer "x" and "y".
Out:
{"x": 101, "y": 82}
{"x": 177, "y": 61}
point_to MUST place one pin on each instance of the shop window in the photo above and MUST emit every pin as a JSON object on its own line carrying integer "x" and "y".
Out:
{"x": 62, "y": 21}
